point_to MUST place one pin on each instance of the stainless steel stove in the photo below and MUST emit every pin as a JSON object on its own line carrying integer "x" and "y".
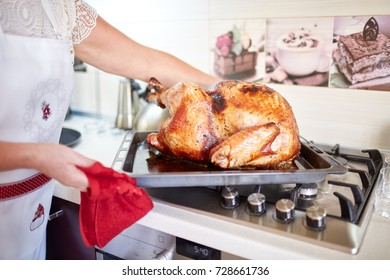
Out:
{"x": 324, "y": 201}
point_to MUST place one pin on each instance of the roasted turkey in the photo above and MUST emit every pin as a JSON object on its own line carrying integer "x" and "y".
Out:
{"x": 234, "y": 124}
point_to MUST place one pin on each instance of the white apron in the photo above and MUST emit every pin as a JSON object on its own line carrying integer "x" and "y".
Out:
{"x": 36, "y": 81}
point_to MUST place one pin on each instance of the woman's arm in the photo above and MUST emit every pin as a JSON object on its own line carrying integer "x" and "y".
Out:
{"x": 56, "y": 161}
{"x": 110, "y": 50}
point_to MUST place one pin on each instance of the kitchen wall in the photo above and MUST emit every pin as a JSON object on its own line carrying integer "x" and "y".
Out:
{"x": 354, "y": 118}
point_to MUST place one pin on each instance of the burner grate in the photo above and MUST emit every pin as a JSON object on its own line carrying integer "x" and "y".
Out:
{"x": 372, "y": 161}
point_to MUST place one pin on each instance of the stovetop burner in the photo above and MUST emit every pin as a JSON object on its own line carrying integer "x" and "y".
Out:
{"x": 333, "y": 213}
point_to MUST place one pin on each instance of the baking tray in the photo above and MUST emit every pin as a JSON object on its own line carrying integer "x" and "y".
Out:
{"x": 153, "y": 169}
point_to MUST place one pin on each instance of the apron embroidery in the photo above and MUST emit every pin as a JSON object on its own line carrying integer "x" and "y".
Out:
{"x": 45, "y": 110}
{"x": 39, "y": 217}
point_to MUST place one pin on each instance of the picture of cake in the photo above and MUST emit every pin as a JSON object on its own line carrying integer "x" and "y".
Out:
{"x": 362, "y": 58}
{"x": 236, "y": 50}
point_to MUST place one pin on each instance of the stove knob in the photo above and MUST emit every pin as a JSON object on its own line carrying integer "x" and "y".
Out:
{"x": 256, "y": 203}
{"x": 230, "y": 198}
{"x": 285, "y": 210}
{"x": 315, "y": 217}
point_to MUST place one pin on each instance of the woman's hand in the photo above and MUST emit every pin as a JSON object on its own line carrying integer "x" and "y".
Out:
{"x": 60, "y": 162}
{"x": 56, "y": 161}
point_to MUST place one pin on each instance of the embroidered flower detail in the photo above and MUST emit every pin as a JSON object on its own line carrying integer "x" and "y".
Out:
{"x": 46, "y": 111}
{"x": 38, "y": 217}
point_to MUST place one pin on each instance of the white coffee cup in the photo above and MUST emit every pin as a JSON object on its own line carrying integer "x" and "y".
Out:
{"x": 298, "y": 60}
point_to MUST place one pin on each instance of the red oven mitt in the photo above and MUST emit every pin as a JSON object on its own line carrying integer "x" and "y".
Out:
{"x": 112, "y": 203}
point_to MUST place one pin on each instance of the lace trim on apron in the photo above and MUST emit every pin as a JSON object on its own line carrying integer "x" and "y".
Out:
{"x": 8, "y": 191}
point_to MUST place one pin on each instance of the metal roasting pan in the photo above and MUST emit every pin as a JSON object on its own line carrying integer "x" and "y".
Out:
{"x": 152, "y": 169}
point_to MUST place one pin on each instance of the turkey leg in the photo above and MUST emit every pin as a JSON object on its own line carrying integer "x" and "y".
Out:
{"x": 246, "y": 146}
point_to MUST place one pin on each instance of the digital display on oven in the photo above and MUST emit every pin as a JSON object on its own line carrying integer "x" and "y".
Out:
{"x": 196, "y": 251}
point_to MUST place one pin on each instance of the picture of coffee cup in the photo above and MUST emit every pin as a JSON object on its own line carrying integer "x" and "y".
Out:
{"x": 299, "y": 52}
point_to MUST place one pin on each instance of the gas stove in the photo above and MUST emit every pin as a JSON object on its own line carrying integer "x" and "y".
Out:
{"x": 330, "y": 210}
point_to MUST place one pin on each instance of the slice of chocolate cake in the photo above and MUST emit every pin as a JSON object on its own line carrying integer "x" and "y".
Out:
{"x": 361, "y": 60}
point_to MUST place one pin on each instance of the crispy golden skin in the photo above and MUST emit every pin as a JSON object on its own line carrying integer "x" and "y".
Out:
{"x": 234, "y": 124}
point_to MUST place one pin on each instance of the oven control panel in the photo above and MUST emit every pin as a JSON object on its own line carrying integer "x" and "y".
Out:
{"x": 139, "y": 243}
{"x": 143, "y": 243}
{"x": 196, "y": 251}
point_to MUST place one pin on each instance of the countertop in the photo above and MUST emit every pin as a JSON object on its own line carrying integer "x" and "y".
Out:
{"x": 212, "y": 231}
